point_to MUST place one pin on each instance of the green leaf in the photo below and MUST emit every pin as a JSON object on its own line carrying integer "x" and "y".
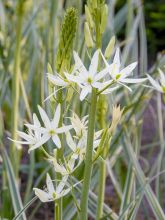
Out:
{"x": 13, "y": 185}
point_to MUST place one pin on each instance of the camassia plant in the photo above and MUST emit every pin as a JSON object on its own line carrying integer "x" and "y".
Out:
{"x": 72, "y": 142}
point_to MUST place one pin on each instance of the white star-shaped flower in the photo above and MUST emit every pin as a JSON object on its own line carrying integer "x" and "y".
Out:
{"x": 50, "y": 129}
{"x": 64, "y": 169}
{"x": 32, "y": 137}
{"x": 119, "y": 75}
{"x": 86, "y": 79}
{"x": 160, "y": 87}
{"x": 51, "y": 194}
{"x": 59, "y": 81}
{"x": 79, "y": 147}
{"x": 79, "y": 125}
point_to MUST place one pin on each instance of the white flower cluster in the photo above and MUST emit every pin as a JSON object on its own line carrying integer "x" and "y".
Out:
{"x": 105, "y": 81}
{"x": 88, "y": 79}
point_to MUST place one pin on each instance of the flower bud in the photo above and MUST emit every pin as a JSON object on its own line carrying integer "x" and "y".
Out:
{"x": 116, "y": 116}
{"x": 104, "y": 16}
{"x": 89, "y": 17}
{"x": 110, "y": 47}
{"x": 88, "y": 37}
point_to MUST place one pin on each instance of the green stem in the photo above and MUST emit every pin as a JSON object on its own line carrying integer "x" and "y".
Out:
{"x": 15, "y": 94}
{"x": 57, "y": 211}
{"x": 88, "y": 160}
{"x": 106, "y": 87}
{"x": 58, "y": 206}
{"x": 102, "y": 168}
{"x": 161, "y": 136}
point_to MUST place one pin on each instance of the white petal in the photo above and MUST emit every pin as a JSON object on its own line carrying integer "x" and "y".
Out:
{"x": 42, "y": 195}
{"x": 125, "y": 86}
{"x": 96, "y": 143}
{"x": 97, "y": 85}
{"x": 25, "y": 136}
{"x": 21, "y": 142}
{"x": 79, "y": 64}
{"x": 154, "y": 83}
{"x": 44, "y": 117}
{"x": 127, "y": 70}
{"x": 56, "y": 80}
{"x": 36, "y": 121}
{"x": 49, "y": 184}
{"x": 97, "y": 134}
{"x": 61, "y": 185}
{"x": 94, "y": 63}
{"x": 101, "y": 74}
{"x": 71, "y": 163}
{"x": 72, "y": 78}
{"x": 56, "y": 140}
{"x": 59, "y": 168}
{"x": 64, "y": 129}
{"x": 56, "y": 118}
{"x": 116, "y": 59}
{"x": 106, "y": 63}
{"x": 64, "y": 193}
{"x": 84, "y": 92}
{"x": 42, "y": 141}
{"x": 70, "y": 141}
{"x": 133, "y": 80}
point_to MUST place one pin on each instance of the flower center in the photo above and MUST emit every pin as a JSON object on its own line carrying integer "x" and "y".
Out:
{"x": 118, "y": 76}
{"x": 77, "y": 151}
{"x": 52, "y": 132}
{"x": 89, "y": 80}
{"x": 54, "y": 195}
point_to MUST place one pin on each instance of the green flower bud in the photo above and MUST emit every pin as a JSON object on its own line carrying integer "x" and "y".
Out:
{"x": 67, "y": 36}
{"x": 88, "y": 37}
{"x": 110, "y": 47}
{"x": 104, "y": 16}
{"x": 23, "y": 6}
{"x": 89, "y": 17}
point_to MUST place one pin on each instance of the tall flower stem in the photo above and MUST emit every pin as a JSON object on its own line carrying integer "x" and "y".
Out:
{"x": 162, "y": 146}
{"x": 58, "y": 203}
{"x": 102, "y": 168}
{"x": 88, "y": 160}
{"x": 15, "y": 92}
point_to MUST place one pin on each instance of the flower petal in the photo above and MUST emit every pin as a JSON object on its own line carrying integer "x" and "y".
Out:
{"x": 64, "y": 129}
{"x": 25, "y": 136}
{"x": 116, "y": 59}
{"x": 62, "y": 184}
{"x": 101, "y": 74}
{"x": 42, "y": 195}
{"x": 70, "y": 142}
{"x": 44, "y": 117}
{"x": 94, "y": 63}
{"x": 56, "y": 140}
{"x": 127, "y": 70}
{"x": 42, "y": 141}
{"x": 79, "y": 64}
{"x": 56, "y": 80}
{"x": 84, "y": 92}
{"x": 49, "y": 184}
{"x": 56, "y": 118}
{"x": 133, "y": 80}
{"x": 154, "y": 83}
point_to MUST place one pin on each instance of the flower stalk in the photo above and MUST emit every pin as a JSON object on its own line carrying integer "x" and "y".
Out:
{"x": 15, "y": 88}
{"x": 88, "y": 160}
